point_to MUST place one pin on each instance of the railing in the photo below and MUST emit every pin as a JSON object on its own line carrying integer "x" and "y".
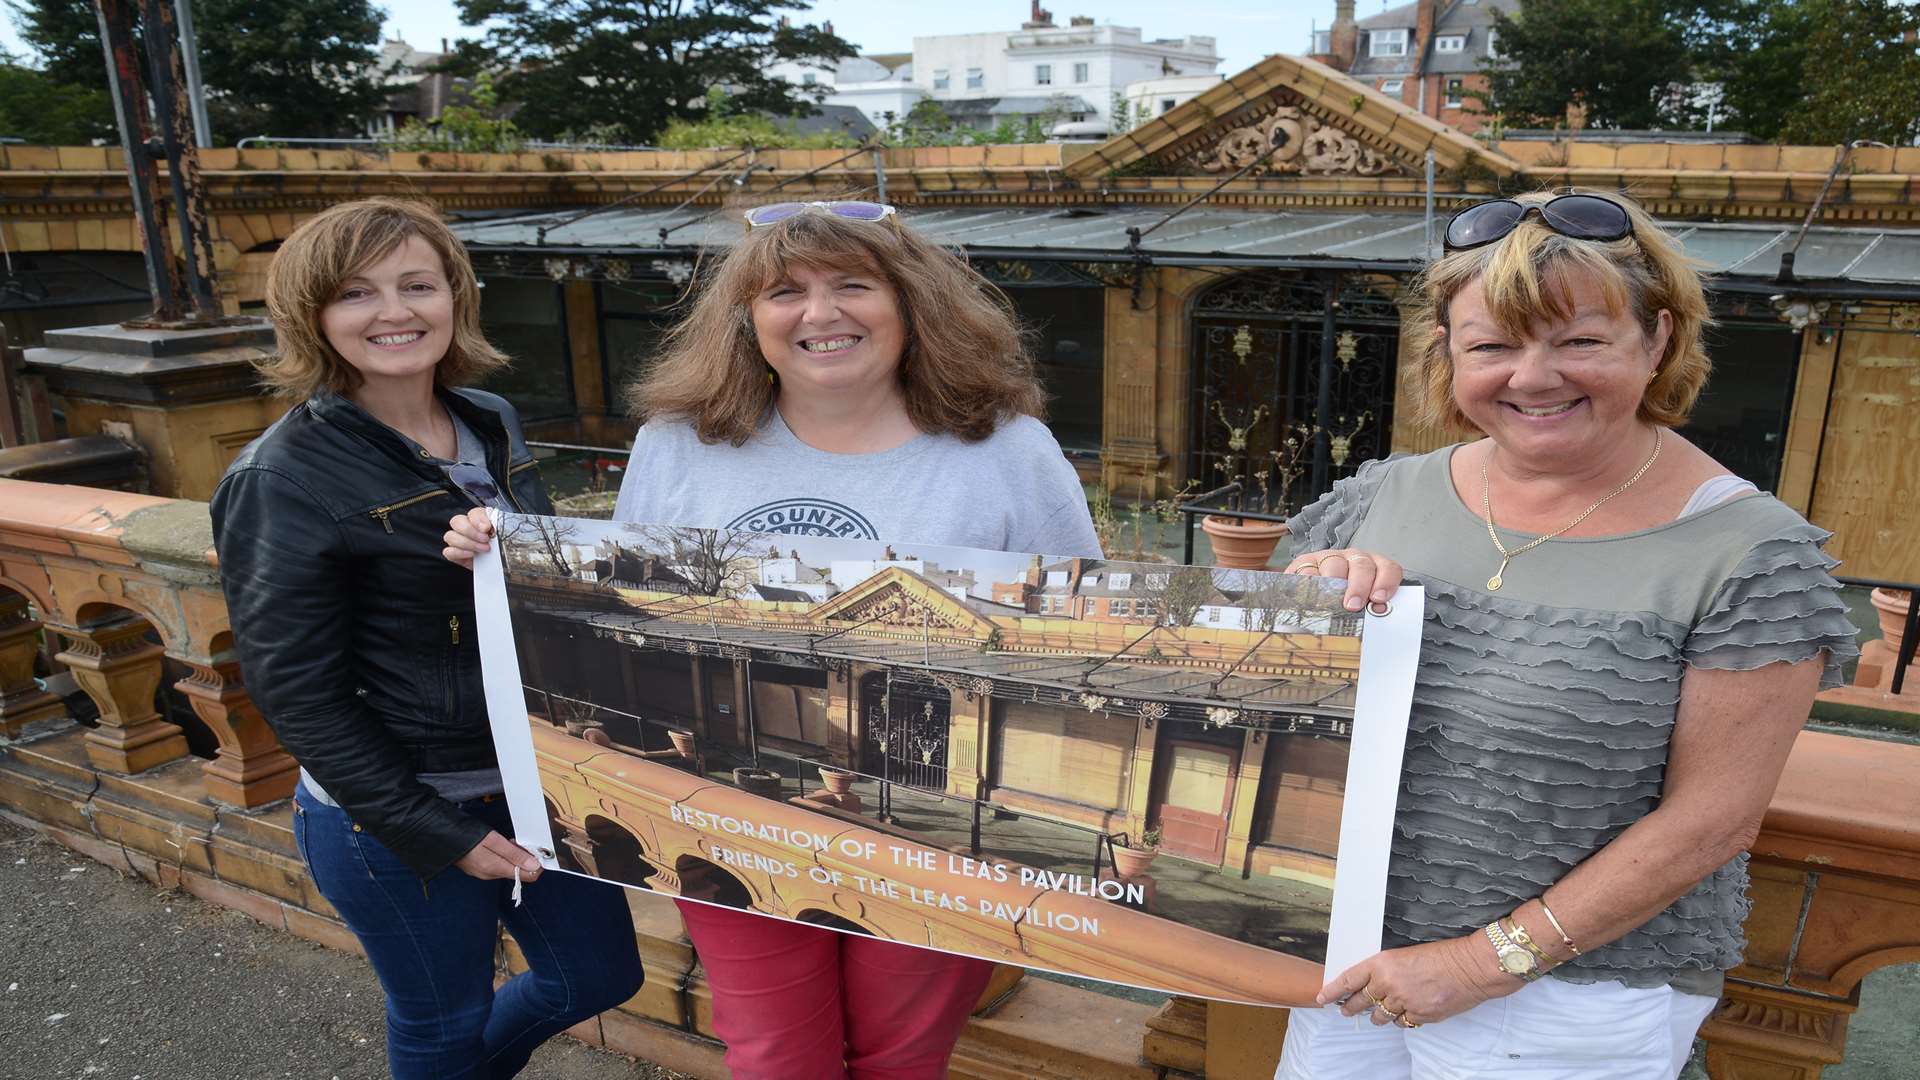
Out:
{"x": 450, "y": 144}
{"x": 1202, "y": 504}
{"x": 1908, "y": 637}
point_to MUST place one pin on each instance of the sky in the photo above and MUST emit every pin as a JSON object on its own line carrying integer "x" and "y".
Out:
{"x": 1244, "y": 31}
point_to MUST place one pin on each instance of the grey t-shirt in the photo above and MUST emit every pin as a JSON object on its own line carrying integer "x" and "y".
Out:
{"x": 1012, "y": 491}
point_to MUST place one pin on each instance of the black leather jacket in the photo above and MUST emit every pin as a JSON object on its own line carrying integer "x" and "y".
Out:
{"x": 356, "y": 638}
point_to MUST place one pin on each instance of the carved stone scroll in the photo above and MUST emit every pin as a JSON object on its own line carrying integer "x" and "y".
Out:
{"x": 1301, "y": 145}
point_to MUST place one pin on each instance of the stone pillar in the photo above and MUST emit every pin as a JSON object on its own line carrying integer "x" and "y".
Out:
{"x": 22, "y": 702}
{"x": 966, "y": 739}
{"x": 120, "y": 670}
{"x": 1760, "y": 1033}
{"x": 1140, "y": 778}
{"x": 1243, "y": 1041}
{"x": 251, "y": 769}
{"x": 1246, "y": 801}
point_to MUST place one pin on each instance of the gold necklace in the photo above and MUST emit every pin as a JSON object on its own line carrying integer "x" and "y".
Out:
{"x": 1486, "y": 508}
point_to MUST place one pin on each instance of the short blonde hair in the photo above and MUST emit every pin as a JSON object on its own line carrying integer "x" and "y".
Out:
{"x": 965, "y": 365}
{"x": 1643, "y": 275}
{"x": 326, "y": 250}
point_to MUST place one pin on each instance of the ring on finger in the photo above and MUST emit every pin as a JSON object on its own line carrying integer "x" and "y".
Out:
{"x": 1404, "y": 1022}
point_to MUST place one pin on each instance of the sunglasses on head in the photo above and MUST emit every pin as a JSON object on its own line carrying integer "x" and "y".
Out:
{"x": 774, "y": 213}
{"x": 1581, "y": 217}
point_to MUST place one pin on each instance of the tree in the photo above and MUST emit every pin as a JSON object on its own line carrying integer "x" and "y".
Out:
{"x": 539, "y": 543}
{"x": 1179, "y": 594}
{"x": 634, "y": 66}
{"x": 1618, "y": 60}
{"x": 34, "y": 107}
{"x": 1862, "y": 74}
{"x": 714, "y": 562}
{"x": 271, "y": 67}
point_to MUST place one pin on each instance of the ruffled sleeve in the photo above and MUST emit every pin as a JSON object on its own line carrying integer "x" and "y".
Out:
{"x": 1780, "y": 604}
{"x": 1331, "y": 520}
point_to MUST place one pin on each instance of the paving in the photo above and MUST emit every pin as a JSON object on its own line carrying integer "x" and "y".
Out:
{"x": 104, "y": 976}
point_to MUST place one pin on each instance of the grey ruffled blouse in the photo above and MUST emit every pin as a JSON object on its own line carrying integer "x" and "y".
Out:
{"x": 1542, "y": 713}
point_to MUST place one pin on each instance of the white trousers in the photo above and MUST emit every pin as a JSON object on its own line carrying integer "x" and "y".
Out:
{"x": 1547, "y": 1030}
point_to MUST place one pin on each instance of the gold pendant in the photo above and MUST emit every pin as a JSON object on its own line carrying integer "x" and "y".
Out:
{"x": 1493, "y": 583}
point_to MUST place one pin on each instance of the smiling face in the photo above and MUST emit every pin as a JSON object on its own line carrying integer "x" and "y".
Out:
{"x": 1566, "y": 390}
{"x": 392, "y": 320}
{"x": 831, "y": 331}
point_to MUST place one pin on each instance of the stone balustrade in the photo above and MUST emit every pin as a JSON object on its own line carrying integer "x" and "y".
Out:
{"x": 123, "y": 587}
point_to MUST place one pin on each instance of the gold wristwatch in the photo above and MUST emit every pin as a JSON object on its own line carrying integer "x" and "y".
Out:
{"x": 1514, "y": 959}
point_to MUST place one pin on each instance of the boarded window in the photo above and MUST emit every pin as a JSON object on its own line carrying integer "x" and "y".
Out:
{"x": 1306, "y": 782}
{"x": 790, "y": 703}
{"x": 1064, "y": 753}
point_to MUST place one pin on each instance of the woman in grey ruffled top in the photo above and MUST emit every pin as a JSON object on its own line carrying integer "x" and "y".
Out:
{"x": 1621, "y": 642}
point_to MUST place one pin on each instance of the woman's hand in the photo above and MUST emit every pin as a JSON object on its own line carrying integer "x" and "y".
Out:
{"x": 496, "y": 857}
{"x": 468, "y": 535}
{"x": 1371, "y": 577}
{"x": 1422, "y": 983}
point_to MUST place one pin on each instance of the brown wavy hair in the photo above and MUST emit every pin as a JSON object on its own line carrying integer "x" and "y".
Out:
{"x": 1524, "y": 275}
{"x": 326, "y": 250}
{"x": 964, "y": 368}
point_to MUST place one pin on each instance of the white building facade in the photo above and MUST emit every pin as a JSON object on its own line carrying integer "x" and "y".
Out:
{"x": 1073, "y": 70}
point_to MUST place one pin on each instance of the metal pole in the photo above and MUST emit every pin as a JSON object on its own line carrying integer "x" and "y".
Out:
{"x": 175, "y": 121}
{"x": 196, "y": 92}
{"x": 130, "y": 109}
{"x": 879, "y": 174}
{"x": 1427, "y": 252}
{"x": 1323, "y": 402}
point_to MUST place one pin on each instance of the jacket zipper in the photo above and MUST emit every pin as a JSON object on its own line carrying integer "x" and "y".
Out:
{"x": 453, "y": 624}
{"x": 511, "y": 497}
{"x": 383, "y": 513}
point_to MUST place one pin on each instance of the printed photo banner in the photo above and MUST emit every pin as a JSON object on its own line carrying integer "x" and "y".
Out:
{"x": 1172, "y": 777}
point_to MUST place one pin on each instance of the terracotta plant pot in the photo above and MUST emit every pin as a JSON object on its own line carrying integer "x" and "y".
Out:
{"x": 1133, "y": 861}
{"x": 683, "y": 741}
{"x": 1892, "y": 607}
{"x": 1242, "y": 543}
{"x": 838, "y": 781}
{"x": 762, "y": 782}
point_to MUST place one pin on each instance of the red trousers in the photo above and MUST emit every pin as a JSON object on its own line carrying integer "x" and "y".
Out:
{"x": 797, "y": 1002}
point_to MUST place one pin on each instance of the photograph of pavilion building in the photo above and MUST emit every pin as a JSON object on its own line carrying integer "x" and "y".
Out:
{"x": 1065, "y": 716}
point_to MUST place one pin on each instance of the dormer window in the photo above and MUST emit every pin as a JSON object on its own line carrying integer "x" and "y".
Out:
{"x": 1387, "y": 43}
{"x": 1450, "y": 43}
{"x": 1322, "y": 42}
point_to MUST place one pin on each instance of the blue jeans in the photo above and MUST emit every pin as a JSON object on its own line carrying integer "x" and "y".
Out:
{"x": 432, "y": 946}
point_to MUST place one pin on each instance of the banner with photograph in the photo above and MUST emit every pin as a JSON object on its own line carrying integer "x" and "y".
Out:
{"x": 1179, "y": 778}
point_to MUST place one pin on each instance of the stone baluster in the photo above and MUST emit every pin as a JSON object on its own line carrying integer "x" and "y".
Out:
{"x": 120, "y": 670}
{"x": 250, "y": 769}
{"x": 22, "y": 701}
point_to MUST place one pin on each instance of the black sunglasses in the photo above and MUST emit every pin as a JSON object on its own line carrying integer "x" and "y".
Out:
{"x": 1582, "y": 217}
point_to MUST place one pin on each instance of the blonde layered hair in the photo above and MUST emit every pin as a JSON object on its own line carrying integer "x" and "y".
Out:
{"x": 964, "y": 366}
{"x": 1526, "y": 274}
{"x": 306, "y": 275}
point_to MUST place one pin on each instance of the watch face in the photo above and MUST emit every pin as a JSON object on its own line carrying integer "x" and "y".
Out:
{"x": 1516, "y": 962}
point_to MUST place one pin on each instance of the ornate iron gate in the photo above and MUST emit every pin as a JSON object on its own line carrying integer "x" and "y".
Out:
{"x": 1266, "y": 372}
{"x": 907, "y": 726}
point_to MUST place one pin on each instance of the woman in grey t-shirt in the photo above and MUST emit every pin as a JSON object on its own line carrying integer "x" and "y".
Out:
{"x": 839, "y": 375}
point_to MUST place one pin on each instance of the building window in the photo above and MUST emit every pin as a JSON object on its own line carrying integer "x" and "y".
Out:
{"x": 1079, "y": 73}
{"x": 1322, "y": 42}
{"x": 1455, "y": 89}
{"x": 526, "y": 319}
{"x": 976, "y": 79}
{"x": 1069, "y": 355}
{"x": 1391, "y": 87}
{"x": 1450, "y": 43}
{"x": 940, "y": 79}
{"x": 1387, "y": 43}
{"x": 1043, "y": 74}
{"x": 807, "y": 79}
{"x": 1492, "y": 52}
{"x": 1166, "y": 105}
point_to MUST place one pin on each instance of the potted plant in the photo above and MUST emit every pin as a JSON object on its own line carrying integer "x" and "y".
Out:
{"x": 837, "y": 780}
{"x": 1131, "y": 858}
{"x": 762, "y": 782}
{"x": 1243, "y": 543}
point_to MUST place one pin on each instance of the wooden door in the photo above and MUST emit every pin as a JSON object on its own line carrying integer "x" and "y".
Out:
{"x": 1869, "y": 473}
{"x": 1196, "y": 796}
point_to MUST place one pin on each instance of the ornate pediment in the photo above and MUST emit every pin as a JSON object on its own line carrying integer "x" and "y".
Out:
{"x": 1293, "y": 141}
{"x": 900, "y": 599}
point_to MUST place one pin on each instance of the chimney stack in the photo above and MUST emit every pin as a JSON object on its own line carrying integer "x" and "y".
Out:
{"x": 1343, "y": 40}
{"x": 1041, "y": 19}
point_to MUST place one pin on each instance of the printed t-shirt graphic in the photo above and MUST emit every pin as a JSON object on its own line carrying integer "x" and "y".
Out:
{"x": 805, "y": 517}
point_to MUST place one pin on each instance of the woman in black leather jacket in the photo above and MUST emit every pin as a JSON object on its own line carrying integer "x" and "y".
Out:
{"x": 357, "y": 642}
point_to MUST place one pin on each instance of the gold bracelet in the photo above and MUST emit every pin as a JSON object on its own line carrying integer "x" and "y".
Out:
{"x": 1558, "y": 929}
{"x": 1525, "y": 940}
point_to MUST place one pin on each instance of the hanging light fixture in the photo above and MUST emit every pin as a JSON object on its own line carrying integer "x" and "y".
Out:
{"x": 1799, "y": 312}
